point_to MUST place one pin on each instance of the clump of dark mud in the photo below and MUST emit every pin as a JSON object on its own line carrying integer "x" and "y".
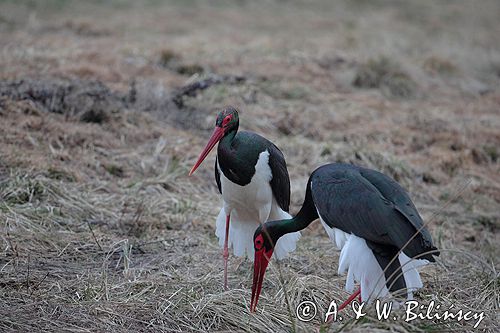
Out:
{"x": 92, "y": 101}
{"x": 89, "y": 101}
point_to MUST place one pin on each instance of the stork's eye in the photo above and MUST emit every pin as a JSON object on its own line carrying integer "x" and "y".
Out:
{"x": 259, "y": 242}
{"x": 226, "y": 120}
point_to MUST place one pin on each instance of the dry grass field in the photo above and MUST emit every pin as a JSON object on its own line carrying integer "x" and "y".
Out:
{"x": 101, "y": 229}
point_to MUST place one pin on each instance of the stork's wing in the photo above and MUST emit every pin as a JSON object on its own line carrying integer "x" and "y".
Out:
{"x": 391, "y": 190}
{"x": 217, "y": 176}
{"x": 369, "y": 205}
{"x": 280, "y": 183}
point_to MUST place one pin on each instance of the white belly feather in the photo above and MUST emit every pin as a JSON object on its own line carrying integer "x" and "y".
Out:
{"x": 361, "y": 265}
{"x": 249, "y": 206}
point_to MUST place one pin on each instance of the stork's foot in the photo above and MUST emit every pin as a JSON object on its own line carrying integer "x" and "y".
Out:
{"x": 351, "y": 298}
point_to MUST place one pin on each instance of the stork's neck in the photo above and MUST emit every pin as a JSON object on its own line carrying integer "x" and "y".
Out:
{"x": 238, "y": 154}
{"x": 304, "y": 217}
{"x": 283, "y": 227}
{"x": 228, "y": 138}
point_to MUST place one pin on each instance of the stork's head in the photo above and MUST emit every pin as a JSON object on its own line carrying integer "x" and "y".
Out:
{"x": 264, "y": 240}
{"x": 227, "y": 121}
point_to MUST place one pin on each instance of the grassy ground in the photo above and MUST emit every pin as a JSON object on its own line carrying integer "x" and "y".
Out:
{"x": 102, "y": 230}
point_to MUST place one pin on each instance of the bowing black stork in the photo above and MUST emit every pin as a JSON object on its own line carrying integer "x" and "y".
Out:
{"x": 252, "y": 177}
{"x": 371, "y": 218}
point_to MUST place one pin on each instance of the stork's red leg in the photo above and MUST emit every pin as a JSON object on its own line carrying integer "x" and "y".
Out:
{"x": 225, "y": 254}
{"x": 350, "y": 299}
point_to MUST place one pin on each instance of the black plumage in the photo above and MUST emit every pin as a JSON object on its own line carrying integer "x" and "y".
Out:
{"x": 372, "y": 206}
{"x": 280, "y": 183}
{"x": 238, "y": 157}
{"x": 217, "y": 176}
{"x": 363, "y": 203}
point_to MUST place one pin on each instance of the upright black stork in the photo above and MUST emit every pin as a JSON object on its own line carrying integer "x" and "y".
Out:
{"x": 252, "y": 177}
{"x": 370, "y": 217}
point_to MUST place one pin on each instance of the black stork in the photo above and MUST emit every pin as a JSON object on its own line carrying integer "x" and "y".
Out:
{"x": 371, "y": 218}
{"x": 252, "y": 177}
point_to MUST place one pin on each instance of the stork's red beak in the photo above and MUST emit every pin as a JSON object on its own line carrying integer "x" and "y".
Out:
{"x": 259, "y": 269}
{"x": 216, "y": 136}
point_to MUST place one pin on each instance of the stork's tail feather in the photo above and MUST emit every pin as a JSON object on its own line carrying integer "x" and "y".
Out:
{"x": 362, "y": 267}
{"x": 241, "y": 236}
{"x": 286, "y": 244}
{"x": 432, "y": 252}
